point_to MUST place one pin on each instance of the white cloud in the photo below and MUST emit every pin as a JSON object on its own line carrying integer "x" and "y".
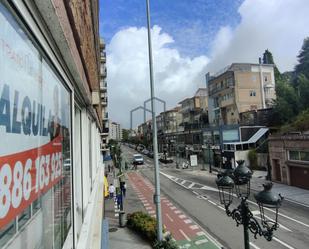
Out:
{"x": 175, "y": 76}
{"x": 277, "y": 25}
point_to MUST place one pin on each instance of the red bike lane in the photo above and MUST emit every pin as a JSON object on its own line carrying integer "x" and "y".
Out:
{"x": 184, "y": 230}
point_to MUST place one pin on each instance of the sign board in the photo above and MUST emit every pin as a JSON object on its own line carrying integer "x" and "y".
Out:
{"x": 193, "y": 160}
{"x": 34, "y": 124}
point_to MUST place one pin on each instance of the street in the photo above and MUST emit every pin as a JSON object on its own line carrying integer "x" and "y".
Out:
{"x": 195, "y": 193}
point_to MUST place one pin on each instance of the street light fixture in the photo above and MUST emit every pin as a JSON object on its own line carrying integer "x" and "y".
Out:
{"x": 240, "y": 179}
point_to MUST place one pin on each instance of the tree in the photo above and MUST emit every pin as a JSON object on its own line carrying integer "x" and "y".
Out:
{"x": 303, "y": 91}
{"x": 287, "y": 102}
{"x": 303, "y": 60}
{"x": 268, "y": 59}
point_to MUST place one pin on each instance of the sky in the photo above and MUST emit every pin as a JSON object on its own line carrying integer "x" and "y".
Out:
{"x": 189, "y": 39}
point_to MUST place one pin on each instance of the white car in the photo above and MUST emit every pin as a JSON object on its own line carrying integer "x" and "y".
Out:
{"x": 138, "y": 159}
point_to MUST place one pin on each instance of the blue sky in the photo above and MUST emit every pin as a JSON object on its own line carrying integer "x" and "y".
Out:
{"x": 192, "y": 23}
{"x": 191, "y": 38}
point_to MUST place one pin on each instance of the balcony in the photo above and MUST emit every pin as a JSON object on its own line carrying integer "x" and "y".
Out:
{"x": 105, "y": 132}
{"x": 103, "y": 86}
{"x": 227, "y": 102}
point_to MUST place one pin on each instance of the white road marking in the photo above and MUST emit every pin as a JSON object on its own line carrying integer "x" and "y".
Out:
{"x": 146, "y": 204}
{"x": 194, "y": 227}
{"x": 177, "y": 211}
{"x": 184, "y": 235}
{"x": 172, "y": 208}
{"x": 169, "y": 217}
{"x": 148, "y": 208}
{"x": 169, "y": 204}
{"x": 191, "y": 185}
{"x": 182, "y": 216}
{"x": 212, "y": 202}
{"x": 202, "y": 241}
{"x": 187, "y": 221}
{"x": 221, "y": 208}
{"x": 195, "y": 193}
{"x": 283, "y": 243}
{"x": 183, "y": 182}
{"x": 151, "y": 212}
{"x": 254, "y": 246}
{"x": 200, "y": 233}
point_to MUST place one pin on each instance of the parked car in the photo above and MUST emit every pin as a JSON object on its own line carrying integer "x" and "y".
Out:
{"x": 145, "y": 151}
{"x": 150, "y": 154}
{"x": 138, "y": 159}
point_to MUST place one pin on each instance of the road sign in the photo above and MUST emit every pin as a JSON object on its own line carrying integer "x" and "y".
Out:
{"x": 193, "y": 160}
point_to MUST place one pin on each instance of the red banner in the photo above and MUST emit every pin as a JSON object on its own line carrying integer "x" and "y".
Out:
{"x": 26, "y": 175}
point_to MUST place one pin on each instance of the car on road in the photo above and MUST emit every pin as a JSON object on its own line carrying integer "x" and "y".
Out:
{"x": 138, "y": 159}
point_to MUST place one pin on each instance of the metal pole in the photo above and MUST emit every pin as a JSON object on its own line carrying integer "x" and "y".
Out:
{"x": 209, "y": 159}
{"x": 154, "y": 134}
{"x": 244, "y": 214}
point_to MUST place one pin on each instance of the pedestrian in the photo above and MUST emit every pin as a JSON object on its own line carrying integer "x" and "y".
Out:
{"x": 111, "y": 191}
{"x": 123, "y": 188}
{"x": 109, "y": 168}
{"x": 119, "y": 198}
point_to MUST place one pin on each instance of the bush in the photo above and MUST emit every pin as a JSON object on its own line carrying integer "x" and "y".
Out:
{"x": 146, "y": 225}
{"x": 143, "y": 224}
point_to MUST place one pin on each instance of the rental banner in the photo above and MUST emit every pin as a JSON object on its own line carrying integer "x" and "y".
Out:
{"x": 26, "y": 175}
{"x": 35, "y": 121}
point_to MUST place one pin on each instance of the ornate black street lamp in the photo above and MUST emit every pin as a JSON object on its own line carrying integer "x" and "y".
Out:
{"x": 239, "y": 179}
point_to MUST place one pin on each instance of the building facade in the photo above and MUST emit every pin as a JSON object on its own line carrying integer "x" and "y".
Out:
{"x": 115, "y": 131}
{"x": 50, "y": 124}
{"x": 289, "y": 159}
{"x": 104, "y": 100}
{"x": 239, "y": 88}
{"x": 194, "y": 109}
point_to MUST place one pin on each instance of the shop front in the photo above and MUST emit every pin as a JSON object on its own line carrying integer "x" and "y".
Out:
{"x": 35, "y": 144}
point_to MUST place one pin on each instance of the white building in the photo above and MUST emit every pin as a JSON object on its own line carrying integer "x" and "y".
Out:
{"x": 115, "y": 131}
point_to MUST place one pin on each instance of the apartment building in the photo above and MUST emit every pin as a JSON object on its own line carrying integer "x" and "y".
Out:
{"x": 239, "y": 88}
{"x": 104, "y": 100}
{"x": 49, "y": 67}
{"x": 193, "y": 110}
{"x": 115, "y": 131}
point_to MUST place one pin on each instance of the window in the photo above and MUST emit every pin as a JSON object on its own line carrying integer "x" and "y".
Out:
{"x": 298, "y": 155}
{"x": 252, "y": 93}
{"x": 41, "y": 133}
{"x": 265, "y": 78}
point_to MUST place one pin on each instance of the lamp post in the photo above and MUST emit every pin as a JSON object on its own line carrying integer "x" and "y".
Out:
{"x": 239, "y": 179}
{"x": 154, "y": 134}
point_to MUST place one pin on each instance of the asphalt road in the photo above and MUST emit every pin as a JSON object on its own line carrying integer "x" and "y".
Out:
{"x": 197, "y": 195}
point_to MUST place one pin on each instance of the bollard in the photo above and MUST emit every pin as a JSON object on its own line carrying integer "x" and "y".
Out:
{"x": 122, "y": 219}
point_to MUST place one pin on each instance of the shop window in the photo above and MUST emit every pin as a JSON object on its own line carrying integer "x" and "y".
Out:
{"x": 39, "y": 137}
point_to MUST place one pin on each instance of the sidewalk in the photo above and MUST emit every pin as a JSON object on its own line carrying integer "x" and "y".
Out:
{"x": 124, "y": 237}
{"x": 290, "y": 193}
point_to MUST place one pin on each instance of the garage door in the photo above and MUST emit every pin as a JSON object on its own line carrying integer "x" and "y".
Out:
{"x": 299, "y": 177}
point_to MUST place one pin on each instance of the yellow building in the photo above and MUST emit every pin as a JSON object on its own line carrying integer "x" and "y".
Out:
{"x": 238, "y": 88}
